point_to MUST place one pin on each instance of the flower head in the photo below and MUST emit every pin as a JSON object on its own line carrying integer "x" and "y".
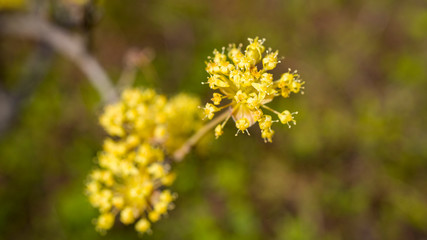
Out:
{"x": 144, "y": 115}
{"x": 133, "y": 176}
{"x": 130, "y": 184}
{"x": 242, "y": 78}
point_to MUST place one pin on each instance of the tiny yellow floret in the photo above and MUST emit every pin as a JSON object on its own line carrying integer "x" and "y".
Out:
{"x": 218, "y": 131}
{"x": 127, "y": 216}
{"x": 154, "y": 216}
{"x": 270, "y": 61}
{"x": 210, "y": 110}
{"x": 216, "y": 99}
{"x": 267, "y": 134}
{"x": 286, "y": 117}
{"x": 105, "y": 221}
{"x": 242, "y": 124}
{"x": 142, "y": 226}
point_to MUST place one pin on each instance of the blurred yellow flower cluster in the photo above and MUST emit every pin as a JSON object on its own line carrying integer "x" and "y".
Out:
{"x": 12, "y": 4}
{"x": 76, "y": 2}
{"x": 242, "y": 78}
{"x": 145, "y": 116}
{"x": 134, "y": 171}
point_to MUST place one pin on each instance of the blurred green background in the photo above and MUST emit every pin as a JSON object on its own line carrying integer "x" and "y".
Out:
{"x": 354, "y": 167}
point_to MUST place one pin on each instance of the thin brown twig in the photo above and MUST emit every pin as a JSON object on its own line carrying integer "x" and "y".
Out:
{"x": 179, "y": 154}
{"x": 70, "y": 46}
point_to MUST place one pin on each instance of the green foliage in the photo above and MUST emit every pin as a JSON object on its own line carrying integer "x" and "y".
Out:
{"x": 352, "y": 168}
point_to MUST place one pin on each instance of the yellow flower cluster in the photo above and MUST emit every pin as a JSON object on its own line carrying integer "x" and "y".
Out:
{"x": 134, "y": 171}
{"x": 150, "y": 117}
{"x": 12, "y": 4}
{"x": 247, "y": 89}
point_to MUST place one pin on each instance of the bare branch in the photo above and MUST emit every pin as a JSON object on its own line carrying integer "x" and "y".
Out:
{"x": 33, "y": 73}
{"x": 68, "y": 45}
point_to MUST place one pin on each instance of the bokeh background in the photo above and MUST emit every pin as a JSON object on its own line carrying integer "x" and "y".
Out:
{"x": 354, "y": 167}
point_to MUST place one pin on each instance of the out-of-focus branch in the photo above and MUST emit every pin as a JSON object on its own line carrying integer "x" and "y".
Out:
{"x": 33, "y": 73}
{"x": 68, "y": 45}
{"x": 134, "y": 59}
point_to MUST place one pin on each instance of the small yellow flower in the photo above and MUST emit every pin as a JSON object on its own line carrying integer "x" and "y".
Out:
{"x": 118, "y": 202}
{"x": 270, "y": 61}
{"x": 240, "y": 97}
{"x": 166, "y": 196}
{"x": 216, "y": 99}
{"x": 265, "y": 122}
{"x": 156, "y": 170}
{"x": 105, "y": 221}
{"x": 142, "y": 226}
{"x": 210, "y": 110}
{"x": 154, "y": 216}
{"x": 242, "y": 124}
{"x": 248, "y": 88}
{"x": 161, "y": 207}
{"x": 286, "y": 117}
{"x": 218, "y": 131}
{"x": 168, "y": 179}
{"x": 127, "y": 216}
{"x": 267, "y": 134}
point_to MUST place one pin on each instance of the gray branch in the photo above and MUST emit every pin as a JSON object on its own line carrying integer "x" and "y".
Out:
{"x": 68, "y": 45}
{"x": 34, "y": 72}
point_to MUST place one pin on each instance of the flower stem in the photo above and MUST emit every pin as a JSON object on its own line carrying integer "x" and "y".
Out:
{"x": 268, "y": 108}
{"x": 179, "y": 154}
